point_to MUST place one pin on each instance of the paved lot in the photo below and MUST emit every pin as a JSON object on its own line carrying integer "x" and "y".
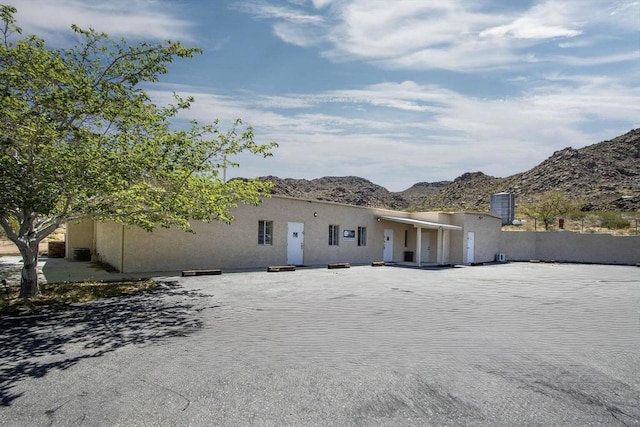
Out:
{"x": 58, "y": 270}
{"x": 514, "y": 344}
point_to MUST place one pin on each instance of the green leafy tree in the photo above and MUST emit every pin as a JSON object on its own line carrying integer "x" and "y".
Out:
{"x": 80, "y": 138}
{"x": 549, "y": 208}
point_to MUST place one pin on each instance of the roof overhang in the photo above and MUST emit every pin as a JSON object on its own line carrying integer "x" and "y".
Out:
{"x": 419, "y": 223}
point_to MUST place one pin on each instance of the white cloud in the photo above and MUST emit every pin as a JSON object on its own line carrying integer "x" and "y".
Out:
{"x": 451, "y": 133}
{"x": 403, "y": 130}
{"x": 452, "y": 35}
{"x": 448, "y": 35}
{"x": 292, "y": 25}
{"x": 597, "y": 60}
{"x": 462, "y": 57}
{"x": 263, "y": 10}
{"x": 372, "y": 29}
{"x": 135, "y": 19}
{"x": 623, "y": 13}
{"x": 549, "y": 19}
{"x": 294, "y": 34}
{"x": 282, "y": 102}
{"x": 319, "y": 4}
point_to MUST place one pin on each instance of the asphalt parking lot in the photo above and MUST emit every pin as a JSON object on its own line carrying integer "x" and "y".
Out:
{"x": 512, "y": 344}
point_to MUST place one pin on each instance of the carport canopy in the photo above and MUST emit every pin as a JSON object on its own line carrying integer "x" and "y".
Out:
{"x": 419, "y": 225}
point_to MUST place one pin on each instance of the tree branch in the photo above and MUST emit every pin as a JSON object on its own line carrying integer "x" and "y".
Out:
{"x": 8, "y": 229}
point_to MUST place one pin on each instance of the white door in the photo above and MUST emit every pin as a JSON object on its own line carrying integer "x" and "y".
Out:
{"x": 425, "y": 247}
{"x": 387, "y": 254}
{"x": 471, "y": 247}
{"x": 295, "y": 243}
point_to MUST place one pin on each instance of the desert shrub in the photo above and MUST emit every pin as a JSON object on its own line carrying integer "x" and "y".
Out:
{"x": 613, "y": 221}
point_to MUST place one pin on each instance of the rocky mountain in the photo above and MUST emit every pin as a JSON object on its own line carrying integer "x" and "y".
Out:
{"x": 602, "y": 176}
{"x": 417, "y": 193}
{"x": 348, "y": 189}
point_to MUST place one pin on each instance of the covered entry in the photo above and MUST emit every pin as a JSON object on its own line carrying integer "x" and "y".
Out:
{"x": 442, "y": 243}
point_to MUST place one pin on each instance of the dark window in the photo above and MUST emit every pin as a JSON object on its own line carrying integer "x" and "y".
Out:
{"x": 265, "y": 232}
{"x": 334, "y": 234}
{"x": 362, "y": 236}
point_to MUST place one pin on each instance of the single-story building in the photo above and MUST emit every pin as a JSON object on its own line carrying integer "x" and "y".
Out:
{"x": 289, "y": 231}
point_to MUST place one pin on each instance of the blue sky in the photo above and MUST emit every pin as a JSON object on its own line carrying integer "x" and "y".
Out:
{"x": 395, "y": 91}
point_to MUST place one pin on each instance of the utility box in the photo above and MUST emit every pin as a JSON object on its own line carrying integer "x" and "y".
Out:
{"x": 81, "y": 254}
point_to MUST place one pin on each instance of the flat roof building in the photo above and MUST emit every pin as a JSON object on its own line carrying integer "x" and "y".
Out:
{"x": 289, "y": 231}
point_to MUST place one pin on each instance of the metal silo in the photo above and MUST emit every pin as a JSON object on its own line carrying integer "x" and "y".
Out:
{"x": 503, "y": 205}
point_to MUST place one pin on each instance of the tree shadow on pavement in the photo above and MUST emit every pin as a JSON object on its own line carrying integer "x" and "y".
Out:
{"x": 31, "y": 345}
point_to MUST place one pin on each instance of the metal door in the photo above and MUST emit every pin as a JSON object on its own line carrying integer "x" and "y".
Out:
{"x": 471, "y": 247}
{"x": 295, "y": 243}
{"x": 387, "y": 254}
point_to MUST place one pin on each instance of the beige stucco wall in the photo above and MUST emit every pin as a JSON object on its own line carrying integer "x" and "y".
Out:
{"x": 567, "y": 246}
{"x": 486, "y": 228}
{"x": 235, "y": 245}
{"x": 109, "y": 245}
{"x": 442, "y": 217}
{"x": 79, "y": 234}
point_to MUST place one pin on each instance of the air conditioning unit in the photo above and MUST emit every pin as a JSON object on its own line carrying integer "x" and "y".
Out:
{"x": 501, "y": 257}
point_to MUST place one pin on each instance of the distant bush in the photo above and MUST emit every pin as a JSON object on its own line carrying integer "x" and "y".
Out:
{"x": 550, "y": 207}
{"x": 613, "y": 221}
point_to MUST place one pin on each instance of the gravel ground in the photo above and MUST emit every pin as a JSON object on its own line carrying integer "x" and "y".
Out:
{"x": 513, "y": 344}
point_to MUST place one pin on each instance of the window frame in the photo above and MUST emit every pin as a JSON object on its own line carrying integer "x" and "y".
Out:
{"x": 362, "y": 236}
{"x": 265, "y": 232}
{"x": 334, "y": 235}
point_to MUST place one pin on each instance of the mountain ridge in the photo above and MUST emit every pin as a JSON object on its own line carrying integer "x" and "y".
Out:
{"x": 601, "y": 176}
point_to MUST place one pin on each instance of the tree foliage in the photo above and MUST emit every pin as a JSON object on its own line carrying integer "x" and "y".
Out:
{"x": 80, "y": 137}
{"x": 550, "y": 207}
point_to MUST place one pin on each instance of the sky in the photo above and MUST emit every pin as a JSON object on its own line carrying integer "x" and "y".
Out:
{"x": 394, "y": 91}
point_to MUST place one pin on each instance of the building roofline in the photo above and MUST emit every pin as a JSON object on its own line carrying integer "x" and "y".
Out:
{"x": 372, "y": 208}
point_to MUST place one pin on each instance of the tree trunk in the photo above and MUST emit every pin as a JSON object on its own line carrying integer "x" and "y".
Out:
{"x": 29, "y": 280}
{"x": 27, "y": 237}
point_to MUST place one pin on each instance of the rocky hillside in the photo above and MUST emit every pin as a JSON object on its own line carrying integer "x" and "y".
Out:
{"x": 417, "y": 193}
{"x": 348, "y": 189}
{"x": 603, "y": 176}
